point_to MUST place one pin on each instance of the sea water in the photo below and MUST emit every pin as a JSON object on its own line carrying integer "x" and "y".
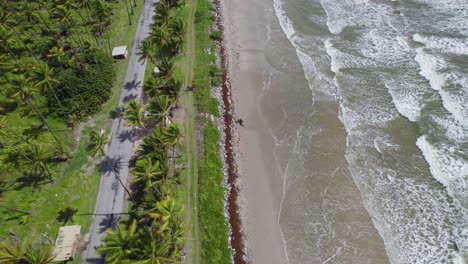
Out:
{"x": 374, "y": 149}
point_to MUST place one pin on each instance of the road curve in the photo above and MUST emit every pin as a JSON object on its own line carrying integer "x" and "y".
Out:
{"x": 110, "y": 203}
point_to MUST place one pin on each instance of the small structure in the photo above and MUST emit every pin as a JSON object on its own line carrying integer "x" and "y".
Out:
{"x": 120, "y": 52}
{"x": 156, "y": 70}
{"x": 66, "y": 243}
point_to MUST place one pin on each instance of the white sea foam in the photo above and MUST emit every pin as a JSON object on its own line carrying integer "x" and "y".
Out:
{"x": 341, "y": 14}
{"x": 439, "y": 75}
{"x": 412, "y": 216}
{"x": 443, "y": 44}
{"x": 444, "y": 164}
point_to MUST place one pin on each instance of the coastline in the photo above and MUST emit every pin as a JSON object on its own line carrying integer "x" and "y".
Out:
{"x": 259, "y": 182}
{"x": 236, "y": 235}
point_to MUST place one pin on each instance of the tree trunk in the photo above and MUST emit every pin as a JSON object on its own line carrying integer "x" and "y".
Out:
{"x": 41, "y": 117}
{"x": 16, "y": 149}
{"x": 14, "y": 210}
{"x": 128, "y": 13}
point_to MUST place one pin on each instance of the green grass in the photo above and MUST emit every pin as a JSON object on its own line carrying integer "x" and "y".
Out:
{"x": 204, "y": 62}
{"x": 78, "y": 179}
{"x": 189, "y": 190}
{"x": 214, "y": 227}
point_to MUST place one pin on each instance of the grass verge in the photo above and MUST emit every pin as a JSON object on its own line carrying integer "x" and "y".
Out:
{"x": 214, "y": 229}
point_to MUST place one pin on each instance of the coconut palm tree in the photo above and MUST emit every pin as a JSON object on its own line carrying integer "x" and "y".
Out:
{"x": 25, "y": 91}
{"x": 166, "y": 68}
{"x": 134, "y": 113}
{"x": 98, "y": 140}
{"x": 146, "y": 171}
{"x": 168, "y": 210}
{"x": 153, "y": 248}
{"x": 172, "y": 135}
{"x": 11, "y": 254}
{"x": 40, "y": 157}
{"x": 147, "y": 51}
{"x": 153, "y": 86}
{"x": 46, "y": 81}
{"x": 40, "y": 254}
{"x": 57, "y": 56}
{"x": 153, "y": 147}
{"x": 161, "y": 37}
{"x": 161, "y": 107}
{"x": 5, "y": 141}
{"x": 163, "y": 14}
{"x": 118, "y": 243}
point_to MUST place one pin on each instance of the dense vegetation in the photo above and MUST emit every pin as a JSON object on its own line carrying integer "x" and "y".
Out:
{"x": 213, "y": 224}
{"x": 153, "y": 231}
{"x": 52, "y": 64}
{"x": 55, "y": 70}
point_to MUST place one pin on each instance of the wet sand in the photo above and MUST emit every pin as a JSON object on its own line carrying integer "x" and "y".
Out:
{"x": 259, "y": 181}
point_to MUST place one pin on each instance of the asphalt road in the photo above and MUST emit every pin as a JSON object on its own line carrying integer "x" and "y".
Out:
{"x": 110, "y": 203}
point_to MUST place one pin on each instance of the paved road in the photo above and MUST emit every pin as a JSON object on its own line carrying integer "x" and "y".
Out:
{"x": 110, "y": 203}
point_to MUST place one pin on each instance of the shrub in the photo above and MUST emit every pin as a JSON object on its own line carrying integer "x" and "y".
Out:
{"x": 216, "y": 35}
{"x": 83, "y": 93}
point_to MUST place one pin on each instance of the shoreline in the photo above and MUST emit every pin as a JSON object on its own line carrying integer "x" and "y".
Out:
{"x": 236, "y": 236}
{"x": 258, "y": 188}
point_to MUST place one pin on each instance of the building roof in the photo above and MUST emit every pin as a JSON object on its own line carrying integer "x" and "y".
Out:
{"x": 66, "y": 243}
{"x": 118, "y": 51}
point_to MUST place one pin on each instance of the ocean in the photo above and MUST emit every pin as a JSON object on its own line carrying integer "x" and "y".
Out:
{"x": 373, "y": 146}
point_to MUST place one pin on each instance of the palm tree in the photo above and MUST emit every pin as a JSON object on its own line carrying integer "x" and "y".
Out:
{"x": 4, "y": 128}
{"x": 160, "y": 36}
{"x": 177, "y": 30}
{"x": 166, "y": 68}
{"x": 153, "y": 147}
{"x": 98, "y": 140}
{"x": 102, "y": 13}
{"x": 153, "y": 86}
{"x": 160, "y": 107}
{"x": 60, "y": 151}
{"x": 134, "y": 113}
{"x": 11, "y": 254}
{"x": 5, "y": 141}
{"x": 38, "y": 255}
{"x": 45, "y": 80}
{"x": 172, "y": 135}
{"x": 153, "y": 248}
{"x": 118, "y": 243}
{"x": 163, "y": 14}
{"x": 168, "y": 210}
{"x": 146, "y": 171}
{"x": 147, "y": 51}
{"x": 57, "y": 56}
{"x": 25, "y": 92}
{"x": 40, "y": 157}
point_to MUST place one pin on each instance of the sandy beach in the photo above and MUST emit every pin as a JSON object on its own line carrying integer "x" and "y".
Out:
{"x": 272, "y": 97}
{"x": 260, "y": 182}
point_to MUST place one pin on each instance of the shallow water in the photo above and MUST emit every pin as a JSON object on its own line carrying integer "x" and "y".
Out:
{"x": 373, "y": 148}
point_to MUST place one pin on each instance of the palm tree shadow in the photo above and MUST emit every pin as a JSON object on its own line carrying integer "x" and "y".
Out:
{"x": 129, "y": 97}
{"x": 34, "y": 131}
{"x": 109, "y": 222}
{"x": 109, "y": 165}
{"x": 95, "y": 260}
{"x": 117, "y": 112}
{"x": 126, "y": 135}
{"x": 30, "y": 180}
{"x": 131, "y": 85}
